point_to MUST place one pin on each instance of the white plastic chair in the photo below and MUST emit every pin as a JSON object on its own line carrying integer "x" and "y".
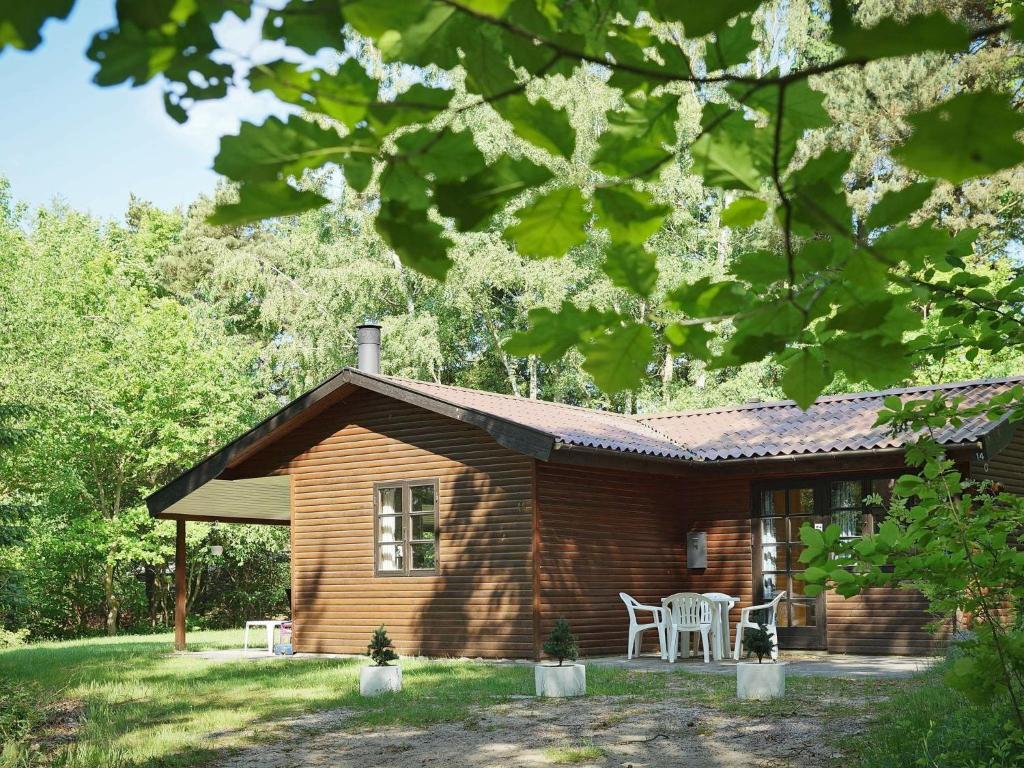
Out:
{"x": 688, "y": 612}
{"x": 770, "y": 623}
{"x": 636, "y": 629}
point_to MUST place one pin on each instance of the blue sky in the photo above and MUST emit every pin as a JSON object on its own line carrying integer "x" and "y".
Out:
{"x": 64, "y": 137}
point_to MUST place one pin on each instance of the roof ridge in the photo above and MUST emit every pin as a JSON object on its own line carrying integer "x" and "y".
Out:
{"x": 622, "y": 417}
{"x": 505, "y": 396}
{"x": 846, "y": 396}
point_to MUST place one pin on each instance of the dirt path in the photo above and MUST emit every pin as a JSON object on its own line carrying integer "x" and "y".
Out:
{"x": 597, "y": 731}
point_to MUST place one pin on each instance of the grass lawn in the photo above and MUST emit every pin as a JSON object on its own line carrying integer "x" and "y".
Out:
{"x": 129, "y": 701}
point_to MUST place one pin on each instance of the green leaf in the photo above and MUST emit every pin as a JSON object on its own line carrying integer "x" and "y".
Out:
{"x": 308, "y": 25}
{"x": 444, "y": 157}
{"x": 691, "y": 339}
{"x": 811, "y": 536}
{"x": 277, "y": 149}
{"x": 760, "y": 267}
{"x": 21, "y": 22}
{"x": 419, "y": 104}
{"x": 731, "y": 46}
{"x": 618, "y": 359}
{"x": 630, "y": 215}
{"x": 864, "y": 359}
{"x": 129, "y": 52}
{"x": 806, "y": 376}
{"x": 802, "y": 110}
{"x": 894, "y": 207}
{"x": 744, "y": 212}
{"x": 888, "y": 38}
{"x": 640, "y": 136}
{"x": 970, "y": 135}
{"x": 701, "y": 18}
{"x": 815, "y": 574}
{"x": 552, "y": 334}
{"x": 710, "y": 298}
{"x": 414, "y": 32}
{"x": 473, "y": 201}
{"x": 539, "y": 123}
{"x": 731, "y": 152}
{"x": 263, "y": 200}
{"x": 552, "y": 224}
{"x": 631, "y": 267}
{"x": 419, "y": 242}
{"x": 346, "y": 96}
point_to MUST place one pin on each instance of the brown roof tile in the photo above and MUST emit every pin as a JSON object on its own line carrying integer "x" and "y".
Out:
{"x": 832, "y": 424}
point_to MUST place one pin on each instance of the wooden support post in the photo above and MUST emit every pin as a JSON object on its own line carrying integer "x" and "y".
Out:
{"x": 179, "y": 588}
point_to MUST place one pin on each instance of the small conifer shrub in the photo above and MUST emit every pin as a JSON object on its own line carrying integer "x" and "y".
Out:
{"x": 381, "y": 650}
{"x": 759, "y": 642}
{"x": 561, "y": 643}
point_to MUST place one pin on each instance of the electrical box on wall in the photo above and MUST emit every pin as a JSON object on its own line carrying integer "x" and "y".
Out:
{"x": 697, "y": 549}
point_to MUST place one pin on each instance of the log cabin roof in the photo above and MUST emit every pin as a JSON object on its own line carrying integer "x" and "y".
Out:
{"x": 833, "y": 424}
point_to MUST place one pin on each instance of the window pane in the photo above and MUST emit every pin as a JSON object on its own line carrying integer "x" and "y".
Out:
{"x": 796, "y": 587}
{"x": 390, "y": 501}
{"x": 803, "y": 613}
{"x": 390, "y": 557}
{"x": 794, "y": 526}
{"x": 794, "y": 557}
{"x": 850, "y": 522}
{"x": 770, "y": 530}
{"x": 423, "y": 527}
{"x": 883, "y": 487}
{"x": 847, "y": 493}
{"x": 422, "y": 498}
{"x": 768, "y": 504}
{"x": 770, "y": 585}
{"x": 389, "y": 529}
{"x": 770, "y": 558}
{"x": 801, "y": 501}
{"x": 423, "y": 555}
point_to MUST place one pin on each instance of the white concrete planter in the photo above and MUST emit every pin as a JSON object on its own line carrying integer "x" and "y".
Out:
{"x": 375, "y": 680}
{"x": 760, "y": 681}
{"x": 566, "y": 680}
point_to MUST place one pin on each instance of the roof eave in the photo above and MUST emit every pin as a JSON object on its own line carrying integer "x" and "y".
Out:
{"x": 515, "y": 437}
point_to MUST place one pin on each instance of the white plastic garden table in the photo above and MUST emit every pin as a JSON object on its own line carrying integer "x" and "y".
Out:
{"x": 270, "y": 627}
{"x": 724, "y": 604}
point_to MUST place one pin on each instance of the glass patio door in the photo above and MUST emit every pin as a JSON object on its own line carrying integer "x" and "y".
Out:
{"x": 779, "y": 511}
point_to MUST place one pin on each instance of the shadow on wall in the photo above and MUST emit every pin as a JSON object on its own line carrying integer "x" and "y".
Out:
{"x": 480, "y": 603}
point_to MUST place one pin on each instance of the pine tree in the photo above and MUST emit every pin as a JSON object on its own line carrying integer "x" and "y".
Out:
{"x": 381, "y": 649}
{"x": 561, "y": 643}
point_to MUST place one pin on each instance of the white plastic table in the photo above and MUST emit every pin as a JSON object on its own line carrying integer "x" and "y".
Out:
{"x": 270, "y": 627}
{"x": 724, "y": 604}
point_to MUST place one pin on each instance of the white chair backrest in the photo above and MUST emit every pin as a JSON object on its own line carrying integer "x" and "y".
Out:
{"x": 769, "y": 612}
{"x": 689, "y": 609}
{"x": 631, "y": 604}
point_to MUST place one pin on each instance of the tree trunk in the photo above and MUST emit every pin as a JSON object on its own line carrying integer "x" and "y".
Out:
{"x": 112, "y": 603}
{"x": 667, "y": 370}
{"x": 534, "y": 384}
{"x": 410, "y": 305}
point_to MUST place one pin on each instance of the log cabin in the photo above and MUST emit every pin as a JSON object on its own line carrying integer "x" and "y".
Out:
{"x": 468, "y": 521}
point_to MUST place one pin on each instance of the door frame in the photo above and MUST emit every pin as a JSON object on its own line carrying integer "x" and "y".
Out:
{"x": 799, "y": 638}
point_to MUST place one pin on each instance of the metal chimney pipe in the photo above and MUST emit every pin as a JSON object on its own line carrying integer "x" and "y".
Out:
{"x": 368, "y": 338}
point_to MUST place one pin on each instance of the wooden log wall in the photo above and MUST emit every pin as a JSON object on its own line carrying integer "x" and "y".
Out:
{"x": 480, "y": 601}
